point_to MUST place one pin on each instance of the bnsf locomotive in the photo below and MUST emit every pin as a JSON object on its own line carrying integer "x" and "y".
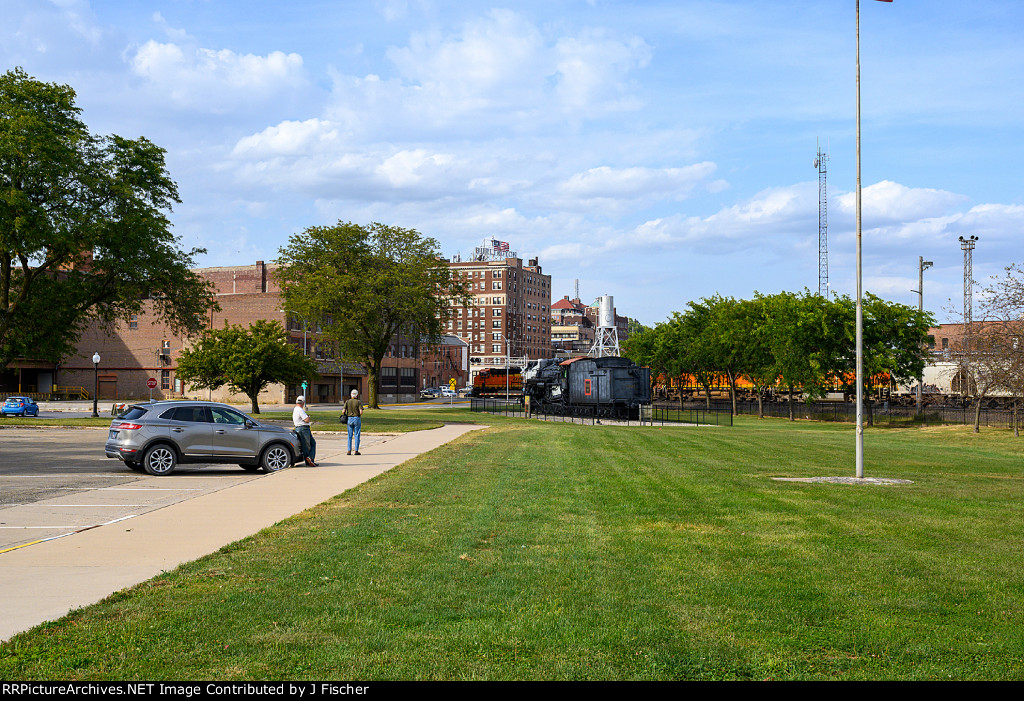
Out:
{"x": 610, "y": 387}
{"x": 496, "y": 382}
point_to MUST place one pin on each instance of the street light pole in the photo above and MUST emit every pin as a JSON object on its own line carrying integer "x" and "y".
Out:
{"x": 507, "y": 365}
{"x": 304, "y": 328}
{"x": 96, "y": 384}
{"x": 922, "y": 265}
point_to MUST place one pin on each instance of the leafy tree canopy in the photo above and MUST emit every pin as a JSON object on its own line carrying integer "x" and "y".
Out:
{"x": 247, "y": 360}
{"x": 362, "y": 285}
{"x": 83, "y": 229}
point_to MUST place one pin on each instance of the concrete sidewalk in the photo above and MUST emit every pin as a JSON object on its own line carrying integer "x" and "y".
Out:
{"x": 46, "y": 580}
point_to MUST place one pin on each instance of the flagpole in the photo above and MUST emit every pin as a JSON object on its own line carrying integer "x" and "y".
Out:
{"x": 860, "y": 307}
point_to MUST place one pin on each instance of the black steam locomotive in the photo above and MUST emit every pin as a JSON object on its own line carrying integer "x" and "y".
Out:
{"x": 609, "y": 387}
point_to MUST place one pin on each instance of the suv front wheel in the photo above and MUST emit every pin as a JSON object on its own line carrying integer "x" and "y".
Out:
{"x": 276, "y": 457}
{"x": 160, "y": 460}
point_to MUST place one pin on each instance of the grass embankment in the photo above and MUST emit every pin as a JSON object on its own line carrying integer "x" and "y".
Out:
{"x": 554, "y": 551}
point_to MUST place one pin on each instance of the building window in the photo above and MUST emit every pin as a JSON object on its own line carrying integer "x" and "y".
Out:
{"x": 133, "y": 323}
{"x": 165, "y": 379}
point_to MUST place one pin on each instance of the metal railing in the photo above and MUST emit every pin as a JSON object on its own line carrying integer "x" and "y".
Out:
{"x": 880, "y": 414}
{"x": 55, "y": 394}
{"x": 645, "y": 415}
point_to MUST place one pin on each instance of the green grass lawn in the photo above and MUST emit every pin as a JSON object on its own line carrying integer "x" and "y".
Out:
{"x": 552, "y": 551}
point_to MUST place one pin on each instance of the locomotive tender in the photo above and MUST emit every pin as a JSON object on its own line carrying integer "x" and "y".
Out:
{"x": 610, "y": 387}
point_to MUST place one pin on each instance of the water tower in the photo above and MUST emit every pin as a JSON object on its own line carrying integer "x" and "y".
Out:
{"x": 606, "y": 341}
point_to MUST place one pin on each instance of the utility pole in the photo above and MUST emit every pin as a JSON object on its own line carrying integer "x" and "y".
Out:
{"x": 922, "y": 265}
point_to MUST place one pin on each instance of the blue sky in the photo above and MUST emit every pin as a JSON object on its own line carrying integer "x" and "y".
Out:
{"x": 657, "y": 151}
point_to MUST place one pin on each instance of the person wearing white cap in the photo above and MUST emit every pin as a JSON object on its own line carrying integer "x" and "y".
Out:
{"x": 302, "y": 421}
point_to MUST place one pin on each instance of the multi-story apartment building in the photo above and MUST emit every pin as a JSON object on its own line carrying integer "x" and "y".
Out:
{"x": 509, "y": 317}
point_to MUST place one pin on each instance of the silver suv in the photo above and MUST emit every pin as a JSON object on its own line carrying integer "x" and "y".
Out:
{"x": 155, "y": 437}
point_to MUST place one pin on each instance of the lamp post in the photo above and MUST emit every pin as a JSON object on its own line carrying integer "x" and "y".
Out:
{"x": 922, "y": 265}
{"x": 507, "y": 350}
{"x": 304, "y": 351}
{"x": 95, "y": 384}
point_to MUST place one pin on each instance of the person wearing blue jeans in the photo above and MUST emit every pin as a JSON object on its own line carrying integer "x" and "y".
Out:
{"x": 354, "y": 412}
{"x": 301, "y": 421}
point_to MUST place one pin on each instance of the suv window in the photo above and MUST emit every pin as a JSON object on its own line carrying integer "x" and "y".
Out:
{"x": 136, "y": 412}
{"x": 191, "y": 414}
{"x": 226, "y": 416}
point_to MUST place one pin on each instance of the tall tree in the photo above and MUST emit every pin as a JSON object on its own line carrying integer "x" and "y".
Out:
{"x": 895, "y": 343}
{"x": 362, "y": 284}
{"x": 83, "y": 228}
{"x": 1000, "y": 350}
{"x": 245, "y": 359}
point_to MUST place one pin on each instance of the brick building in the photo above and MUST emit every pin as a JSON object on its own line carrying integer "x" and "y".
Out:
{"x": 510, "y": 314}
{"x": 574, "y": 325}
{"x": 131, "y": 353}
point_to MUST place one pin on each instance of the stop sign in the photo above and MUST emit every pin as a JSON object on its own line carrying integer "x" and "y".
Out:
{"x": 151, "y": 383}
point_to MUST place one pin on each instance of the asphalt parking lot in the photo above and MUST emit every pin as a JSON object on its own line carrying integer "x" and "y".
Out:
{"x": 56, "y": 481}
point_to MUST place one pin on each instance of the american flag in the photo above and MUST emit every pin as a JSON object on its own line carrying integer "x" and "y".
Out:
{"x": 499, "y": 245}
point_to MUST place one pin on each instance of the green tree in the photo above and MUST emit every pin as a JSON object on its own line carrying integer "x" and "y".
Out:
{"x": 363, "y": 284}
{"x": 895, "y": 341}
{"x": 247, "y": 360}
{"x": 808, "y": 336}
{"x": 83, "y": 229}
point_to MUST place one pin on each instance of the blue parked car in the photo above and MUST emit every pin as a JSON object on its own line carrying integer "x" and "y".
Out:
{"x": 20, "y": 406}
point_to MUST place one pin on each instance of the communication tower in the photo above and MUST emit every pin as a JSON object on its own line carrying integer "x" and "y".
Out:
{"x": 819, "y": 163}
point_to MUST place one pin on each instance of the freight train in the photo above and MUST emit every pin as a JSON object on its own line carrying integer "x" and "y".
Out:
{"x": 943, "y": 386}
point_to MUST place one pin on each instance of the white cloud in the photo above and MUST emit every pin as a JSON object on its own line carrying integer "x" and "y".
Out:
{"x": 216, "y": 80}
{"x": 289, "y": 139}
{"x": 887, "y": 201}
{"x": 594, "y": 68}
{"x": 606, "y": 183}
{"x": 500, "y": 70}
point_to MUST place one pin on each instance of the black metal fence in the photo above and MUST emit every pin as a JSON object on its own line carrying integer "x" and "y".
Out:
{"x": 881, "y": 414}
{"x": 647, "y": 416}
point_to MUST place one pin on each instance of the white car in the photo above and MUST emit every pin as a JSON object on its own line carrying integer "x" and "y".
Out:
{"x": 445, "y": 392}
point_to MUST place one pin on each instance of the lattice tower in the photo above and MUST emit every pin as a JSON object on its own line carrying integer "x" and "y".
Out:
{"x": 819, "y": 163}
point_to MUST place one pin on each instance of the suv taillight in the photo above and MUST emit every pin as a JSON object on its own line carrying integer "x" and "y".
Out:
{"x": 128, "y": 427}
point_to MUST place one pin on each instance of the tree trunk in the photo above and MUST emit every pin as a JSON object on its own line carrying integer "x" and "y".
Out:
{"x": 977, "y": 415}
{"x": 760, "y": 403}
{"x": 790, "y": 403}
{"x": 254, "y": 400}
{"x": 373, "y": 382}
{"x": 1016, "y": 430}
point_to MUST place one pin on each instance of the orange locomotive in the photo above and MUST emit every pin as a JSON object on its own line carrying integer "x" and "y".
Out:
{"x": 492, "y": 382}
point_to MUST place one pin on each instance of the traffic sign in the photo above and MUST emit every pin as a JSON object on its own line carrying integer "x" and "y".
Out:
{"x": 451, "y": 384}
{"x": 151, "y": 383}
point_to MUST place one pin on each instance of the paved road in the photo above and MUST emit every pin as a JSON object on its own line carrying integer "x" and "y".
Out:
{"x": 56, "y": 481}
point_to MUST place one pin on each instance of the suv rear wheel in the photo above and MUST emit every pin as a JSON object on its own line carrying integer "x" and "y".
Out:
{"x": 160, "y": 460}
